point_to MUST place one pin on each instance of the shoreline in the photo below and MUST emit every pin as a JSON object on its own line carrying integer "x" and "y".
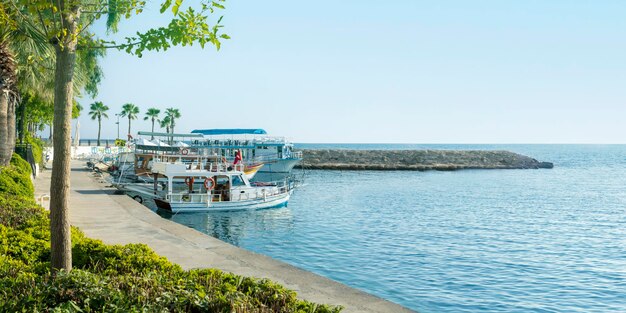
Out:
{"x": 118, "y": 219}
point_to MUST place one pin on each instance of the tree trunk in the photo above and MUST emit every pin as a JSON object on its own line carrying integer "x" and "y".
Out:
{"x": 22, "y": 124}
{"x": 128, "y": 127}
{"x": 99, "y": 127}
{"x": 152, "y": 136}
{"x": 8, "y": 97}
{"x": 172, "y": 130}
{"x": 11, "y": 127}
{"x": 5, "y": 152}
{"x": 60, "y": 232}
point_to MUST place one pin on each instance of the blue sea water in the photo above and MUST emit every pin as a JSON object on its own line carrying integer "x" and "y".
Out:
{"x": 464, "y": 241}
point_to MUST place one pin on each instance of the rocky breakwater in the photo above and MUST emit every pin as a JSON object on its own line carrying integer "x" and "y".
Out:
{"x": 417, "y": 160}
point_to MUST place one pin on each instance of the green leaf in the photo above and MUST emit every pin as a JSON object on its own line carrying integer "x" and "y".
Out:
{"x": 176, "y": 6}
{"x": 165, "y": 5}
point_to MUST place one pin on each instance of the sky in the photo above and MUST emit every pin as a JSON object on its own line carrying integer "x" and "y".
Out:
{"x": 350, "y": 71}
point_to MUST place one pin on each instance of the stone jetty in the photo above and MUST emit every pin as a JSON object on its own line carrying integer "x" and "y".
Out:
{"x": 418, "y": 160}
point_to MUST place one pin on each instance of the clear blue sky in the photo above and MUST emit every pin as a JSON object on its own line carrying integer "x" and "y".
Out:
{"x": 390, "y": 72}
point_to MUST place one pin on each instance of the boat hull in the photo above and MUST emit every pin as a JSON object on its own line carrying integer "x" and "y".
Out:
{"x": 280, "y": 166}
{"x": 187, "y": 207}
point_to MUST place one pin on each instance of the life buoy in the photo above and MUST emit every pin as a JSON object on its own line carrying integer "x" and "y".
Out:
{"x": 209, "y": 183}
{"x": 184, "y": 151}
{"x": 189, "y": 181}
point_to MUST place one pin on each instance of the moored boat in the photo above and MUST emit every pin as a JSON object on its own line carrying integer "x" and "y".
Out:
{"x": 254, "y": 145}
{"x": 207, "y": 189}
{"x": 136, "y": 165}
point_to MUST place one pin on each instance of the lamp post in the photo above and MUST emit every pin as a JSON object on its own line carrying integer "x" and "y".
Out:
{"x": 118, "y": 125}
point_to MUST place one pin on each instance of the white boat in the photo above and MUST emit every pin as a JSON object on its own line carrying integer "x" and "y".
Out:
{"x": 137, "y": 164}
{"x": 207, "y": 189}
{"x": 255, "y": 145}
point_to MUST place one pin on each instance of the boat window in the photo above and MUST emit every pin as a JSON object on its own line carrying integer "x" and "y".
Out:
{"x": 238, "y": 181}
{"x": 221, "y": 180}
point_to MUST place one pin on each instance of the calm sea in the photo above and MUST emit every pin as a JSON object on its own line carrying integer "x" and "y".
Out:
{"x": 465, "y": 241}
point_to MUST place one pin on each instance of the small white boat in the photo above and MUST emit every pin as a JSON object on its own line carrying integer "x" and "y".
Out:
{"x": 207, "y": 189}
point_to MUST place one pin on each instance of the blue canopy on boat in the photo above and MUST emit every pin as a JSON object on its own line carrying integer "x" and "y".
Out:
{"x": 232, "y": 131}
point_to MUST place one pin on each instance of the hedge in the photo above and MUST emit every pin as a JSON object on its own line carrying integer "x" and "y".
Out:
{"x": 112, "y": 278}
{"x": 37, "y": 146}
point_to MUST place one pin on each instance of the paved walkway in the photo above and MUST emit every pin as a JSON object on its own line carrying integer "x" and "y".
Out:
{"x": 117, "y": 219}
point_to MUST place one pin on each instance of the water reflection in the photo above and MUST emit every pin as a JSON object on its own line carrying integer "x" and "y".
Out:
{"x": 235, "y": 226}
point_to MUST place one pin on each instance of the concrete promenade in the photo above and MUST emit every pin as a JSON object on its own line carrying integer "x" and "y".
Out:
{"x": 117, "y": 219}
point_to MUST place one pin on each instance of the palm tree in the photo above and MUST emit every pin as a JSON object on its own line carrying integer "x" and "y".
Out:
{"x": 165, "y": 123}
{"x": 27, "y": 63}
{"x": 9, "y": 96}
{"x": 153, "y": 115}
{"x": 173, "y": 114}
{"x": 98, "y": 111}
{"x": 19, "y": 43}
{"x": 129, "y": 110}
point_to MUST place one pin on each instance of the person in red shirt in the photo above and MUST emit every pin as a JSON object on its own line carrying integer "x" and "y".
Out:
{"x": 237, "y": 157}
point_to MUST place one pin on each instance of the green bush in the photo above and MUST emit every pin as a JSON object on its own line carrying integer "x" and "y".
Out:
{"x": 15, "y": 178}
{"x": 90, "y": 254}
{"x": 19, "y": 211}
{"x": 194, "y": 291}
{"x": 37, "y": 147}
{"x": 20, "y": 164}
{"x": 112, "y": 278}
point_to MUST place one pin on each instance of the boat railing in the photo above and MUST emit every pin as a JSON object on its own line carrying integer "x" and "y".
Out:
{"x": 273, "y": 157}
{"x": 200, "y": 196}
{"x": 225, "y": 167}
{"x": 185, "y": 197}
{"x": 200, "y": 164}
{"x": 238, "y": 142}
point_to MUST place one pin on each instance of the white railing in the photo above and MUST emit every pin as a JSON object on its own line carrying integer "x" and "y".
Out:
{"x": 273, "y": 189}
{"x": 201, "y": 164}
{"x": 237, "y": 142}
{"x": 187, "y": 197}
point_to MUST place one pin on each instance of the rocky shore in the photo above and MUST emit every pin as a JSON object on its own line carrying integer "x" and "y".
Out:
{"x": 417, "y": 160}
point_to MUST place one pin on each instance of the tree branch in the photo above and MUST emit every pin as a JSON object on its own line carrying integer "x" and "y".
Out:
{"x": 124, "y": 45}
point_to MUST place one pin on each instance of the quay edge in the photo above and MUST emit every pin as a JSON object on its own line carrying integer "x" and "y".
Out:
{"x": 118, "y": 219}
